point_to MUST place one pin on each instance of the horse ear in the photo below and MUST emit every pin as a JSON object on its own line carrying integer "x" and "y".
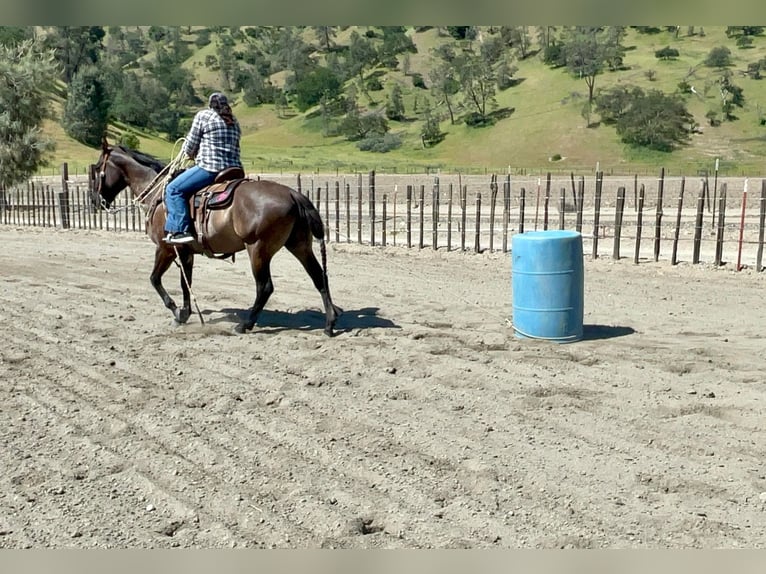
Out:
{"x": 104, "y": 143}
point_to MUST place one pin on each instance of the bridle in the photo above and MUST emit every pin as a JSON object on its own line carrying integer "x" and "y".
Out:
{"x": 156, "y": 184}
{"x": 102, "y": 178}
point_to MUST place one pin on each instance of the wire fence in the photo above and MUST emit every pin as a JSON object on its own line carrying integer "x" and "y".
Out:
{"x": 697, "y": 219}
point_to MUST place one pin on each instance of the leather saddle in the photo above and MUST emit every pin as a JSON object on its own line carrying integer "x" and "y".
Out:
{"x": 218, "y": 195}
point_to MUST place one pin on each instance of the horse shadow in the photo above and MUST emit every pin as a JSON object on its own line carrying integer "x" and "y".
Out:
{"x": 306, "y": 319}
{"x": 597, "y": 332}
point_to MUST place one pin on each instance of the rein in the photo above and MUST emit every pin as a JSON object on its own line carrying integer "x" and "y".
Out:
{"x": 156, "y": 185}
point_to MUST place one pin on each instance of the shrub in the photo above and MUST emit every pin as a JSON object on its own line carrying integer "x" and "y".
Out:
{"x": 666, "y": 53}
{"x": 476, "y": 120}
{"x": 719, "y": 57}
{"x": 418, "y": 82}
{"x": 374, "y": 84}
{"x": 129, "y": 139}
{"x": 380, "y": 143}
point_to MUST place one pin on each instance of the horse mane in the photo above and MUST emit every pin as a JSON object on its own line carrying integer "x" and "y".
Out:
{"x": 143, "y": 158}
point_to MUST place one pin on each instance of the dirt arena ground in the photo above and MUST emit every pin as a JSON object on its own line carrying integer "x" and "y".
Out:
{"x": 423, "y": 424}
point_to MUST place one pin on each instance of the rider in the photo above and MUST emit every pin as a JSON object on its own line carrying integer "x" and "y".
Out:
{"x": 213, "y": 144}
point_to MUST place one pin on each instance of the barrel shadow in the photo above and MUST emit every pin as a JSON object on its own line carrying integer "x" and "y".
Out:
{"x": 596, "y": 332}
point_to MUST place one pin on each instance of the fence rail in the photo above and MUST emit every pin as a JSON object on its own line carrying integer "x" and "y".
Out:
{"x": 650, "y": 218}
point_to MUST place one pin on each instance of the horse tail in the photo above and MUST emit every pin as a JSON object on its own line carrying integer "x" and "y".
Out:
{"x": 308, "y": 213}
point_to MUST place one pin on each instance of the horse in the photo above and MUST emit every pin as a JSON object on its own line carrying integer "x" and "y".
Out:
{"x": 262, "y": 217}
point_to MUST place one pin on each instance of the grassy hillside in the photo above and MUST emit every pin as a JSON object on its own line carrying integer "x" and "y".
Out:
{"x": 546, "y": 120}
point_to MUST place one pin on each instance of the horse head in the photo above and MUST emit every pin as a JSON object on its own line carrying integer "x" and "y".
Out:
{"x": 110, "y": 179}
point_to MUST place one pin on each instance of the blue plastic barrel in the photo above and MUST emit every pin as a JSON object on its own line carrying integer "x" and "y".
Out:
{"x": 548, "y": 285}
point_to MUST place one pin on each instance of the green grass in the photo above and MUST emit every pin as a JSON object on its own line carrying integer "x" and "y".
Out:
{"x": 546, "y": 120}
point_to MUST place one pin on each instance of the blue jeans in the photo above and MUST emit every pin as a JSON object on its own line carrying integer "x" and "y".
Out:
{"x": 177, "y": 196}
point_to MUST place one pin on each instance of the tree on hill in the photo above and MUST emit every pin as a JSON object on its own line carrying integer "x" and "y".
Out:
{"x": 290, "y": 52}
{"x": 587, "y": 51}
{"x": 395, "y": 42}
{"x": 360, "y": 56}
{"x": 444, "y": 85}
{"x": 13, "y": 35}
{"x": 731, "y": 96}
{"x": 430, "y": 133}
{"x": 654, "y": 120}
{"x": 612, "y": 104}
{"x": 395, "y": 104}
{"x": 75, "y": 47}
{"x": 320, "y": 83}
{"x": 718, "y": 57}
{"x": 26, "y": 73}
{"x": 735, "y": 31}
{"x": 87, "y": 106}
{"x": 518, "y": 39}
{"x": 326, "y": 36}
{"x": 666, "y": 53}
{"x": 478, "y": 82}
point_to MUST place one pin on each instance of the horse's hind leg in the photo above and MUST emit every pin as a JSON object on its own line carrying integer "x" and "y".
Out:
{"x": 305, "y": 254}
{"x": 260, "y": 262}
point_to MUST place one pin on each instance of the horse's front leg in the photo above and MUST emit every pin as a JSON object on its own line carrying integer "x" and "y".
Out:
{"x": 163, "y": 257}
{"x": 187, "y": 266}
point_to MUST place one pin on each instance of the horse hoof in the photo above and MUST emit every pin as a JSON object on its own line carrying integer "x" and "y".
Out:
{"x": 182, "y": 315}
{"x": 242, "y": 328}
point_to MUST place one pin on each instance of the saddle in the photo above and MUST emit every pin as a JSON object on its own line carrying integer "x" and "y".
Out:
{"x": 218, "y": 195}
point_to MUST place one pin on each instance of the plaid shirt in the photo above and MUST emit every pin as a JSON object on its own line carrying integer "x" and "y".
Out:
{"x": 213, "y": 145}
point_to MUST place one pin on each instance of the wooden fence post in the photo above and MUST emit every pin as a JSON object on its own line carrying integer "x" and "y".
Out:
{"x": 658, "y": 216}
{"x": 421, "y": 213}
{"x": 337, "y": 211}
{"x": 639, "y": 223}
{"x": 761, "y": 222}
{"x": 618, "y": 213}
{"x": 359, "y": 209}
{"x": 698, "y": 222}
{"x": 547, "y": 200}
{"x": 372, "y": 207}
{"x": 327, "y": 224}
{"x": 449, "y": 220}
{"x": 492, "y": 201}
{"x": 64, "y": 196}
{"x": 383, "y": 222}
{"x": 741, "y": 227}
{"x": 506, "y": 210}
{"x": 597, "y": 212}
{"x": 580, "y": 202}
{"x": 409, "y": 216}
{"x": 562, "y": 206}
{"x": 721, "y": 229}
{"x": 677, "y": 233}
{"x": 477, "y": 232}
{"x": 463, "y": 195}
{"x": 435, "y": 216}
{"x": 574, "y": 190}
{"x": 522, "y": 205}
{"x": 348, "y": 212}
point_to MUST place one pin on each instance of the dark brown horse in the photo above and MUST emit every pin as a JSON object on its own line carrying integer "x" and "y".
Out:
{"x": 263, "y": 217}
